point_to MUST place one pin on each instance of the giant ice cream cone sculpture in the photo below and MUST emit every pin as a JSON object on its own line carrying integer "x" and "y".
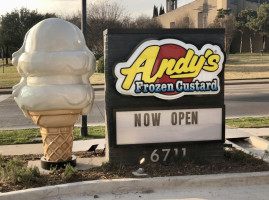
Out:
{"x": 55, "y": 65}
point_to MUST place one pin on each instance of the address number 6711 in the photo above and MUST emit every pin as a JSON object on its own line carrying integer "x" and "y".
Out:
{"x": 155, "y": 157}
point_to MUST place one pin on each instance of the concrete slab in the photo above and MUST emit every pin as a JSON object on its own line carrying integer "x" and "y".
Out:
{"x": 84, "y": 145}
{"x": 256, "y": 131}
{"x": 89, "y": 163}
{"x": 82, "y": 164}
{"x": 20, "y": 149}
{"x": 236, "y": 133}
{"x": 4, "y": 97}
{"x": 259, "y": 143}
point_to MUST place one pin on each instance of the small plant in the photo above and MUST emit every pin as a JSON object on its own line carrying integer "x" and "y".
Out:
{"x": 28, "y": 174}
{"x": 265, "y": 154}
{"x": 53, "y": 170}
{"x": 101, "y": 65}
{"x": 108, "y": 166}
{"x": 105, "y": 165}
{"x": 16, "y": 171}
{"x": 1, "y": 159}
{"x": 70, "y": 172}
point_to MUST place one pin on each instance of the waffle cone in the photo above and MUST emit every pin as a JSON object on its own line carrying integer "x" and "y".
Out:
{"x": 56, "y": 127}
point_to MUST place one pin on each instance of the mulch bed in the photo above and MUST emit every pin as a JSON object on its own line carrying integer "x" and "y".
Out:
{"x": 233, "y": 161}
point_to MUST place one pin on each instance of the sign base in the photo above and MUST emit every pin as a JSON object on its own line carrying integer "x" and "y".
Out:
{"x": 132, "y": 155}
{"x": 49, "y": 165}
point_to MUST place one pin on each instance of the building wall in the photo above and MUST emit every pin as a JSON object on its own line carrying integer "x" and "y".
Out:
{"x": 200, "y": 15}
{"x": 196, "y": 12}
{"x": 191, "y": 11}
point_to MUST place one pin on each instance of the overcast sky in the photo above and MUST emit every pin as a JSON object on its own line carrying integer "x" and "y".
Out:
{"x": 63, "y": 7}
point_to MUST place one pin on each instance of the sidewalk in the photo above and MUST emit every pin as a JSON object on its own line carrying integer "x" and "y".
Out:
{"x": 239, "y": 186}
{"x": 21, "y": 149}
{"x": 84, "y": 145}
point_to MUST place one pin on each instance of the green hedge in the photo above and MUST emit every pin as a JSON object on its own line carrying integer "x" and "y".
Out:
{"x": 100, "y": 66}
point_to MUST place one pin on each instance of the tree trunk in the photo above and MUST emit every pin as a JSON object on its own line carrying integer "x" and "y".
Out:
{"x": 226, "y": 45}
{"x": 250, "y": 43}
{"x": 241, "y": 42}
{"x": 6, "y": 53}
{"x": 264, "y": 37}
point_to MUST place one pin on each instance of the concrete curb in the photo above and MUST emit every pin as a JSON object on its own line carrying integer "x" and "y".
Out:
{"x": 227, "y": 82}
{"x": 259, "y": 142}
{"x": 98, "y": 187}
{"x": 246, "y": 83}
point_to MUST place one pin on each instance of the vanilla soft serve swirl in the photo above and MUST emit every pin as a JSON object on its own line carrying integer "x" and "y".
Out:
{"x": 55, "y": 65}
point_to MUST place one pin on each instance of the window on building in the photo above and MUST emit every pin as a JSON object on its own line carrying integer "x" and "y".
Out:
{"x": 200, "y": 20}
{"x": 235, "y": 2}
{"x": 172, "y": 24}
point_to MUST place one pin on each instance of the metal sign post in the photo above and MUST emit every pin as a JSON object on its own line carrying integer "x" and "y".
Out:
{"x": 84, "y": 127}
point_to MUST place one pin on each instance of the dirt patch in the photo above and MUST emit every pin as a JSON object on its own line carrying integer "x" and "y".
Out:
{"x": 233, "y": 161}
{"x": 245, "y": 75}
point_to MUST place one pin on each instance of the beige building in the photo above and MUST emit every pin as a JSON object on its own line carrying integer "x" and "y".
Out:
{"x": 200, "y": 13}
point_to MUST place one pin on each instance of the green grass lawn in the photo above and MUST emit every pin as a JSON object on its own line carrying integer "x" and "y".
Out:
{"x": 248, "y": 122}
{"x": 238, "y": 66}
{"x": 97, "y": 79}
{"x": 247, "y": 66}
{"x": 11, "y": 77}
{"x": 26, "y": 136}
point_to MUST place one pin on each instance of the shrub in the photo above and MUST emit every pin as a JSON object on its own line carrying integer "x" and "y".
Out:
{"x": 98, "y": 56}
{"x": 70, "y": 172}
{"x": 1, "y": 159}
{"x": 16, "y": 171}
{"x": 101, "y": 65}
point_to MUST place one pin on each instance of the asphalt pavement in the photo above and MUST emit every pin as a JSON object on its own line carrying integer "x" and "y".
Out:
{"x": 242, "y": 98}
{"x": 12, "y": 118}
{"x": 247, "y": 100}
{"x": 207, "y": 187}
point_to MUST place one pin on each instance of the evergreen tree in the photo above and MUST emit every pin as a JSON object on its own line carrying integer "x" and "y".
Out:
{"x": 155, "y": 11}
{"x": 223, "y": 12}
{"x": 261, "y": 23}
{"x": 14, "y": 26}
{"x": 161, "y": 12}
{"x": 243, "y": 22}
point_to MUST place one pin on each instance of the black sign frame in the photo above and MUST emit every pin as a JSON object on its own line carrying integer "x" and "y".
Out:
{"x": 119, "y": 45}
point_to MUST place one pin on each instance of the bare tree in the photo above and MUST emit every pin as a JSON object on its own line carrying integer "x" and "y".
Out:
{"x": 75, "y": 18}
{"x": 102, "y": 16}
{"x": 108, "y": 15}
{"x": 227, "y": 22}
{"x": 145, "y": 22}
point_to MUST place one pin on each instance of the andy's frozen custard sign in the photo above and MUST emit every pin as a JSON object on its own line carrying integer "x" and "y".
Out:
{"x": 164, "y": 96}
{"x": 169, "y": 69}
